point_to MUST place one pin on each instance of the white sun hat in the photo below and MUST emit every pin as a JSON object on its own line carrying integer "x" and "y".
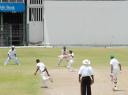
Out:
{"x": 86, "y": 62}
{"x": 12, "y": 46}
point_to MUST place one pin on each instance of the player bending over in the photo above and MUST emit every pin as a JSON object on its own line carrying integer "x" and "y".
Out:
{"x": 12, "y": 55}
{"x": 43, "y": 73}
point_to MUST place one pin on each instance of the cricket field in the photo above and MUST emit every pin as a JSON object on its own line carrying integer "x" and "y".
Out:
{"x": 20, "y": 79}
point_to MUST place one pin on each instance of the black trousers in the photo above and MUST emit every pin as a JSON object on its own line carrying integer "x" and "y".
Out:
{"x": 86, "y": 86}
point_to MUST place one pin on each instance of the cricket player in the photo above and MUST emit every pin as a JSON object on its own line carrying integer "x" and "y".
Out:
{"x": 115, "y": 69}
{"x": 12, "y": 55}
{"x": 43, "y": 73}
{"x": 71, "y": 60}
{"x": 63, "y": 56}
{"x": 86, "y": 77}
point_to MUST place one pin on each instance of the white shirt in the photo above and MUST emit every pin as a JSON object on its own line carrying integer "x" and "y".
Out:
{"x": 63, "y": 52}
{"x": 85, "y": 71}
{"x": 71, "y": 56}
{"x": 41, "y": 66}
{"x": 115, "y": 63}
{"x": 12, "y": 53}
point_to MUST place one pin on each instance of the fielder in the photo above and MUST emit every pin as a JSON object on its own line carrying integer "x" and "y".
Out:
{"x": 63, "y": 56}
{"x": 115, "y": 68}
{"x": 12, "y": 55}
{"x": 43, "y": 73}
{"x": 71, "y": 60}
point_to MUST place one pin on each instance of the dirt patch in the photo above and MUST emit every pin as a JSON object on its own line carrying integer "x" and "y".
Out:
{"x": 66, "y": 83}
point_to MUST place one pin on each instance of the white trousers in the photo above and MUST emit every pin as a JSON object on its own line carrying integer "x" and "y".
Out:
{"x": 70, "y": 63}
{"x": 114, "y": 74}
{"x": 45, "y": 79}
{"x": 61, "y": 58}
{"x": 15, "y": 59}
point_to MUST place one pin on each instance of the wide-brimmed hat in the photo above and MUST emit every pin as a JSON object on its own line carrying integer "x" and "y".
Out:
{"x": 86, "y": 62}
{"x": 12, "y": 46}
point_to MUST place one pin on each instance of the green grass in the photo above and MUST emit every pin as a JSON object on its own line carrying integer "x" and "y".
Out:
{"x": 20, "y": 80}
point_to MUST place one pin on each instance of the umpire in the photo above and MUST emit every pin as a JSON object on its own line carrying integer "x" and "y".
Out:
{"x": 86, "y": 77}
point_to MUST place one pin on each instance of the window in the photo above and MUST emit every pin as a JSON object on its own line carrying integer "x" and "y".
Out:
{"x": 20, "y": 0}
{"x": 4, "y": 0}
{"x": 11, "y": 0}
{"x": 35, "y": 14}
{"x": 36, "y": 1}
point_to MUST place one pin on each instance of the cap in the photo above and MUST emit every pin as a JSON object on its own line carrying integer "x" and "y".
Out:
{"x": 86, "y": 62}
{"x": 37, "y": 60}
{"x": 111, "y": 57}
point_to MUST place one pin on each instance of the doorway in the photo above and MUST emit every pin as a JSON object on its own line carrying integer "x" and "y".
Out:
{"x": 13, "y": 31}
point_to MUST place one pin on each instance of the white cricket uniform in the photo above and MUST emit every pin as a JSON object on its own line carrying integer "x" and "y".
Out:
{"x": 63, "y": 56}
{"x": 43, "y": 73}
{"x": 71, "y": 61}
{"x": 115, "y": 63}
{"x": 85, "y": 71}
{"x": 12, "y": 55}
{"x": 71, "y": 58}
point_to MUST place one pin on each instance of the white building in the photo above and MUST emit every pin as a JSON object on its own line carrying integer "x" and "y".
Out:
{"x": 78, "y": 23}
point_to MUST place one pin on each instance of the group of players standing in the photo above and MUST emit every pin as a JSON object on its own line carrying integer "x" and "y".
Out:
{"x": 86, "y": 74}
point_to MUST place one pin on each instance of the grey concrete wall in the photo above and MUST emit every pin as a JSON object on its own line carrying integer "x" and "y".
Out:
{"x": 86, "y": 22}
